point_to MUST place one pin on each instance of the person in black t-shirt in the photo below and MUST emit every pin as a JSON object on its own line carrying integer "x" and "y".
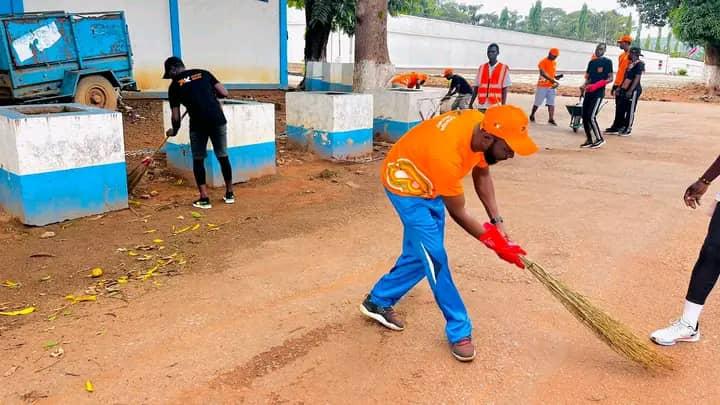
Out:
{"x": 459, "y": 86}
{"x": 630, "y": 90}
{"x": 198, "y": 90}
{"x": 597, "y": 76}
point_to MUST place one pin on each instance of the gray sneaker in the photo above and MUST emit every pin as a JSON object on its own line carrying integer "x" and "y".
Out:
{"x": 387, "y": 317}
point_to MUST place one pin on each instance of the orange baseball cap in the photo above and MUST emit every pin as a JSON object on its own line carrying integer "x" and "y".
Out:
{"x": 625, "y": 38}
{"x": 510, "y": 123}
{"x": 447, "y": 72}
{"x": 554, "y": 52}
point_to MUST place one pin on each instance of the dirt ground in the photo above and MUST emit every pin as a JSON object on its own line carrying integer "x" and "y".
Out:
{"x": 258, "y": 304}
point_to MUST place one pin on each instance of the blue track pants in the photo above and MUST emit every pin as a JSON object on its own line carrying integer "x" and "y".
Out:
{"x": 424, "y": 255}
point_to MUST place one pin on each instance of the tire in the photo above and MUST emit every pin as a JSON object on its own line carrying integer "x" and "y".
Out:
{"x": 96, "y": 91}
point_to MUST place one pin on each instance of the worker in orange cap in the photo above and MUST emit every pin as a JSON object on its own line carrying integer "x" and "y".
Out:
{"x": 547, "y": 83}
{"x": 459, "y": 86}
{"x": 422, "y": 175}
{"x": 411, "y": 80}
{"x": 624, "y": 42}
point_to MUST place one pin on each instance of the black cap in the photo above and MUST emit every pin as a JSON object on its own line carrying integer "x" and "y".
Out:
{"x": 170, "y": 63}
{"x": 636, "y": 50}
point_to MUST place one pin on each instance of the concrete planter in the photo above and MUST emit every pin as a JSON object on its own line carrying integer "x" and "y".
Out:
{"x": 396, "y": 111}
{"x": 250, "y": 137}
{"x": 324, "y": 76}
{"x": 60, "y": 162}
{"x": 332, "y": 124}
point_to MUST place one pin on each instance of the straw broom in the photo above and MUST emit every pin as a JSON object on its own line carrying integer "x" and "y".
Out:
{"x": 136, "y": 174}
{"x": 613, "y": 333}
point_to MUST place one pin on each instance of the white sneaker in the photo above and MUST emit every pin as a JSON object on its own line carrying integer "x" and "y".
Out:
{"x": 678, "y": 331}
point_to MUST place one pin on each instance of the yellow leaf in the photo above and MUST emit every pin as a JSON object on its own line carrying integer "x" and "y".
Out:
{"x": 80, "y": 298}
{"x": 133, "y": 202}
{"x": 158, "y": 241}
{"x": 96, "y": 272}
{"x": 181, "y": 230}
{"x": 196, "y": 227}
{"x": 131, "y": 253}
{"x": 52, "y": 317}
{"x": 121, "y": 250}
{"x": 24, "y": 311}
{"x": 122, "y": 280}
{"x": 150, "y": 231}
{"x": 89, "y": 386}
{"x": 180, "y": 217}
{"x": 46, "y": 278}
{"x": 144, "y": 258}
{"x": 195, "y": 214}
{"x": 10, "y": 284}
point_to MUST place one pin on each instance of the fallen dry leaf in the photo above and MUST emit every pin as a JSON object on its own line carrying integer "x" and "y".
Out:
{"x": 24, "y": 311}
{"x": 89, "y": 386}
{"x": 10, "y": 284}
{"x": 46, "y": 278}
{"x": 57, "y": 352}
{"x": 195, "y": 227}
{"x": 195, "y": 214}
{"x": 47, "y": 235}
{"x": 184, "y": 229}
{"x": 96, "y": 272}
{"x": 158, "y": 241}
{"x": 42, "y": 255}
{"x": 80, "y": 298}
{"x": 11, "y": 371}
{"x": 150, "y": 231}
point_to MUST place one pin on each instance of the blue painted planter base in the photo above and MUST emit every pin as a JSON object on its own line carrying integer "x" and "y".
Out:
{"x": 46, "y": 198}
{"x": 391, "y": 130}
{"x": 248, "y": 162}
{"x": 333, "y": 145}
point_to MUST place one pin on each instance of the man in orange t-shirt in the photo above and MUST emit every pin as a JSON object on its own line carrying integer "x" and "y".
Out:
{"x": 547, "y": 83}
{"x": 623, "y": 61}
{"x": 412, "y": 80}
{"x": 422, "y": 175}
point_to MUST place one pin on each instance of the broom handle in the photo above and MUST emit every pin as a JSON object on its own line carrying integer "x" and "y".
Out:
{"x": 167, "y": 137}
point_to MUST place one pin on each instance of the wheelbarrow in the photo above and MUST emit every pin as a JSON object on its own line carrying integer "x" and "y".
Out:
{"x": 576, "y": 113}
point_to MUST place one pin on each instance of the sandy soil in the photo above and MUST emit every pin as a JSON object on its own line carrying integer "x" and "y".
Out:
{"x": 263, "y": 307}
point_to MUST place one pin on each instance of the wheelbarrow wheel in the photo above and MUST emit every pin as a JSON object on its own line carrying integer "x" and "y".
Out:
{"x": 575, "y": 129}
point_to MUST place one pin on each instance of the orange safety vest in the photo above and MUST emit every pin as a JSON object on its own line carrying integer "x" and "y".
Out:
{"x": 490, "y": 88}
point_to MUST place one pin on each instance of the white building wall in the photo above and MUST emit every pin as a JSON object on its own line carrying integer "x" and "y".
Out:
{"x": 149, "y": 26}
{"x": 416, "y": 42}
{"x": 237, "y": 40}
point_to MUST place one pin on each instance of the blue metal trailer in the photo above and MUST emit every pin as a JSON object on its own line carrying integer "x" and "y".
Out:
{"x": 84, "y": 57}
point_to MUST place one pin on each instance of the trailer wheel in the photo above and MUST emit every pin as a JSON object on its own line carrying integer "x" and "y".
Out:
{"x": 96, "y": 91}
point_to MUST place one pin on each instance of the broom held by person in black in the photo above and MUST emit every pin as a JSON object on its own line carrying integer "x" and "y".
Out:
{"x": 704, "y": 274}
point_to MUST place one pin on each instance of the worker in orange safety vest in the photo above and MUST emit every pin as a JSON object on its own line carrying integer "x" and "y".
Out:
{"x": 492, "y": 81}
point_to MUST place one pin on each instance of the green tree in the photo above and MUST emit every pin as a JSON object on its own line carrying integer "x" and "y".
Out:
{"x": 582, "y": 22}
{"x": 550, "y": 20}
{"x": 638, "y": 34}
{"x": 694, "y": 22}
{"x": 535, "y": 17}
{"x": 668, "y": 41}
{"x": 646, "y": 44}
{"x": 676, "y": 50}
{"x": 504, "y": 19}
{"x": 658, "y": 47}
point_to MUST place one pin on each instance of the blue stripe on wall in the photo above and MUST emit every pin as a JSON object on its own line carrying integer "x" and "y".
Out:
{"x": 283, "y": 45}
{"x": 175, "y": 28}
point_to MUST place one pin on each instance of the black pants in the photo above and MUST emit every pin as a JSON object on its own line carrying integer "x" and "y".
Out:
{"x": 707, "y": 267}
{"x": 628, "y": 106}
{"x": 591, "y": 107}
{"x": 619, "y": 115}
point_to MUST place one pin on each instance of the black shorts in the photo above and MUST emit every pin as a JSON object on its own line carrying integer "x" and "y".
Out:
{"x": 199, "y": 141}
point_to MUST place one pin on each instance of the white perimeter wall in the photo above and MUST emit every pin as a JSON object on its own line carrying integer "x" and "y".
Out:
{"x": 416, "y": 42}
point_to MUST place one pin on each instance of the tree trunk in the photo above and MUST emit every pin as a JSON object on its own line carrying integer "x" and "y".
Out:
{"x": 712, "y": 68}
{"x": 316, "y": 39}
{"x": 373, "y": 69}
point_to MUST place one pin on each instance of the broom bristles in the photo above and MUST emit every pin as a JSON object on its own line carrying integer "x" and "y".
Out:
{"x": 134, "y": 177}
{"x": 612, "y": 332}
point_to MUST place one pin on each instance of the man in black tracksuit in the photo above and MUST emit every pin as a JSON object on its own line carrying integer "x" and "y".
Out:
{"x": 597, "y": 76}
{"x": 198, "y": 90}
{"x": 630, "y": 90}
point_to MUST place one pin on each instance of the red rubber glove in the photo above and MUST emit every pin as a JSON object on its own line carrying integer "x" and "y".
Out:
{"x": 592, "y": 87}
{"x": 505, "y": 249}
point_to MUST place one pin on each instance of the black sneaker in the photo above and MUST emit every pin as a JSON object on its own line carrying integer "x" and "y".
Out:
{"x": 203, "y": 203}
{"x": 552, "y": 122}
{"x": 597, "y": 144}
{"x": 229, "y": 198}
{"x": 532, "y": 118}
{"x": 586, "y": 145}
{"x": 612, "y": 130}
{"x": 387, "y": 317}
{"x": 625, "y": 132}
